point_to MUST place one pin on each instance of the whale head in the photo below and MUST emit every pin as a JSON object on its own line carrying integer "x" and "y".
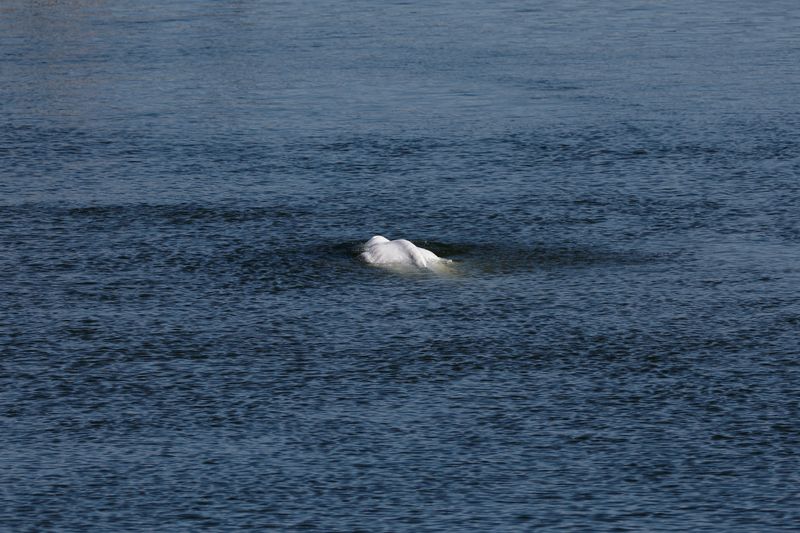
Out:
{"x": 381, "y": 251}
{"x": 377, "y": 239}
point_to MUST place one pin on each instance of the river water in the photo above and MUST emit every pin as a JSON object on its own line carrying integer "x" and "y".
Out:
{"x": 188, "y": 340}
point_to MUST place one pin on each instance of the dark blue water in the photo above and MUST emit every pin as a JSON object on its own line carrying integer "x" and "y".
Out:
{"x": 188, "y": 340}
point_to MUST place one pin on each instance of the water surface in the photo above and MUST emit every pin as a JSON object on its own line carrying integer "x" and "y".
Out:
{"x": 188, "y": 340}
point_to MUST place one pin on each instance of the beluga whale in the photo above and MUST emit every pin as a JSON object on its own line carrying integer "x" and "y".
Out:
{"x": 400, "y": 254}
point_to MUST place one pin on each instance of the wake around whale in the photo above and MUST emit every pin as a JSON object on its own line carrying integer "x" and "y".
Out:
{"x": 400, "y": 253}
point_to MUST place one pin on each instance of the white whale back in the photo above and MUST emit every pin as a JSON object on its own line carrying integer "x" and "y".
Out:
{"x": 381, "y": 251}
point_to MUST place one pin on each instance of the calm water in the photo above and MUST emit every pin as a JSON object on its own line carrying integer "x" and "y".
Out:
{"x": 188, "y": 340}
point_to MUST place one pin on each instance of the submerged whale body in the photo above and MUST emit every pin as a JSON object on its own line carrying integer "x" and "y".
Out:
{"x": 382, "y": 252}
